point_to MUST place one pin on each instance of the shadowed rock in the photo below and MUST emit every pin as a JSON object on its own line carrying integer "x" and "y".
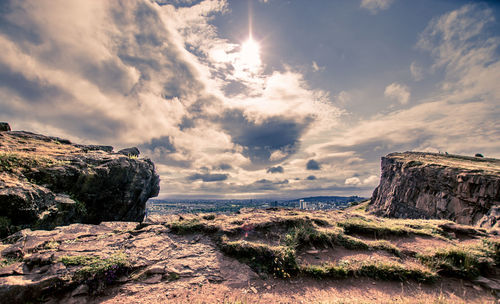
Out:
{"x": 4, "y": 126}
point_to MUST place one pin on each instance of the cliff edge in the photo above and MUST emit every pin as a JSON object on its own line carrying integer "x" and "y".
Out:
{"x": 430, "y": 185}
{"x": 48, "y": 181}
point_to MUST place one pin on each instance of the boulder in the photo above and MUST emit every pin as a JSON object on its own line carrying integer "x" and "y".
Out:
{"x": 4, "y": 126}
{"x": 430, "y": 185}
{"x": 130, "y": 151}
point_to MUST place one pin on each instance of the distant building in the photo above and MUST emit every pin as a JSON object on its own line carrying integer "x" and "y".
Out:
{"x": 302, "y": 204}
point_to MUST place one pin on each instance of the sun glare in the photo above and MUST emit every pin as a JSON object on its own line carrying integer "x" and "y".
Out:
{"x": 250, "y": 54}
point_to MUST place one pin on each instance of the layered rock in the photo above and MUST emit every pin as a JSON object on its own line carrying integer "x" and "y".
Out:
{"x": 48, "y": 181}
{"x": 429, "y": 185}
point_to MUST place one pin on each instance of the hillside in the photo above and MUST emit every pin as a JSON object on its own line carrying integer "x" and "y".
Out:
{"x": 270, "y": 255}
{"x": 256, "y": 256}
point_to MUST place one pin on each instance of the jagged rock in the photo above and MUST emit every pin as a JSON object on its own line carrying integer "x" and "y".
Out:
{"x": 130, "y": 151}
{"x": 47, "y": 182}
{"x": 4, "y": 126}
{"x": 429, "y": 185}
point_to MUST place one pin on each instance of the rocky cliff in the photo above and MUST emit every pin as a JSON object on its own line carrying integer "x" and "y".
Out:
{"x": 48, "y": 181}
{"x": 429, "y": 185}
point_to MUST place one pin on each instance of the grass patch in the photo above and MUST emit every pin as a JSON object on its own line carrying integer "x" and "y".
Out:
{"x": 6, "y": 261}
{"x": 277, "y": 260}
{"x": 96, "y": 271}
{"x": 464, "y": 262}
{"x": 386, "y": 228}
{"x": 376, "y": 270}
{"x": 10, "y": 161}
{"x": 189, "y": 226}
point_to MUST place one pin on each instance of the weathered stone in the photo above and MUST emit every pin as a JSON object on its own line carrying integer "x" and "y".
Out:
{"x": 429, "y": 185}
{"x": 63, "y": 183}
{"x": 130, "y": 151}
{"x": 4, "y": 126}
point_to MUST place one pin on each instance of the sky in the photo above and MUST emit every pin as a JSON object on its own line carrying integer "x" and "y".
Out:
{"x": 256, "y": 98}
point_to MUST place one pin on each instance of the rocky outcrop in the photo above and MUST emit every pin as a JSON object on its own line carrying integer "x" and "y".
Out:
{"x": 4, "y": 126}
{"x": 48, "y": 181}
{"x": 429, "y": 185}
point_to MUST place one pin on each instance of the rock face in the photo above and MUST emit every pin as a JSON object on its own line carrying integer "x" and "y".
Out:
{"x": 429, "y": 185}
{"x": 47, "y": 181}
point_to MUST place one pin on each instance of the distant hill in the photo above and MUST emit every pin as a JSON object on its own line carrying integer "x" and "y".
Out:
{"x": 331, "y": 199}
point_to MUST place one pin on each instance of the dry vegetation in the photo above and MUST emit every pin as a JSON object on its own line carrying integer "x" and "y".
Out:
{"x": 292, "y": 243}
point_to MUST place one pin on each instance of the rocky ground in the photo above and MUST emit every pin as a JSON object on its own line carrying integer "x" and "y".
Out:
{"x": 256, "y": 256}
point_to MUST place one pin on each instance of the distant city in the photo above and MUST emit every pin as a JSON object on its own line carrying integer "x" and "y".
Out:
{"x": 172, "y": 206}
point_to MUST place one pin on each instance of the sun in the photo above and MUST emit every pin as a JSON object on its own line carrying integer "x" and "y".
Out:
{"x": 250, "y": 54}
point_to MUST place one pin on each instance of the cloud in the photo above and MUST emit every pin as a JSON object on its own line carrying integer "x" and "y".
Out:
{"x": 207, "y": 177}
{"x": 460, "y": 117}
{"x": 399, "y": 92}
{"x": 375, "y": 6}
{"x": 158, "y": 76}
{"x": 355, "y": 181}
{"x": 311, "y": 177}
{"x": 313, "y": 165}
{"x": 316, "y": 67}
{"x": 369, "y": 181}
{"x": 277, "y": 169}
{"x": 416, "y": 71}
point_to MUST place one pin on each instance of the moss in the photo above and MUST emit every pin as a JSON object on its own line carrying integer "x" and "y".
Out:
{"x": 377, "y": 270}
{"x": 6, "y": 261}
{"x": 191, "y": 226}
{"x": 96, "y": 268}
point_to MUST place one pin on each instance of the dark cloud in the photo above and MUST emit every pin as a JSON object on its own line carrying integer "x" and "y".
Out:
{"x": 207, "y": 177}
{"x": 260, "y": 139}
{"x": 277, "y": 169}
{"x": 313, "y": 165}
{"x": 223, "y": 166}
{"x": 163, "y": 143}
{"x": 311, "y": 177}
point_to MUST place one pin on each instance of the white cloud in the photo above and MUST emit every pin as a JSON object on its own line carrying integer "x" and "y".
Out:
{"x": 316, "y": 67}
{"x": 353, "y": 181}
{"x": 375, "y": 6}
{"x": 399, "y": 92}
{"x": 416, "y": 71}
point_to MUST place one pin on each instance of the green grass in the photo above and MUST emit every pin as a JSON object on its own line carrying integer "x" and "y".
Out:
{"x": 381, "y": 228}
{"x": 373, "y": 269}
{"x": 464, "y": 262}
{"x": 277, "y": 260}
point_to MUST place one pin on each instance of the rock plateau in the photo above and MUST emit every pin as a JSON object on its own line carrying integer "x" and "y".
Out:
{"x": 430, "y": 185}
{"x": 48, "y": 181}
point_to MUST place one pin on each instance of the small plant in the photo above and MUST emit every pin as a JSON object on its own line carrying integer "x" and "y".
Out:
{"x": 51, "y": 245}
{"x": 209, "y": 217}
